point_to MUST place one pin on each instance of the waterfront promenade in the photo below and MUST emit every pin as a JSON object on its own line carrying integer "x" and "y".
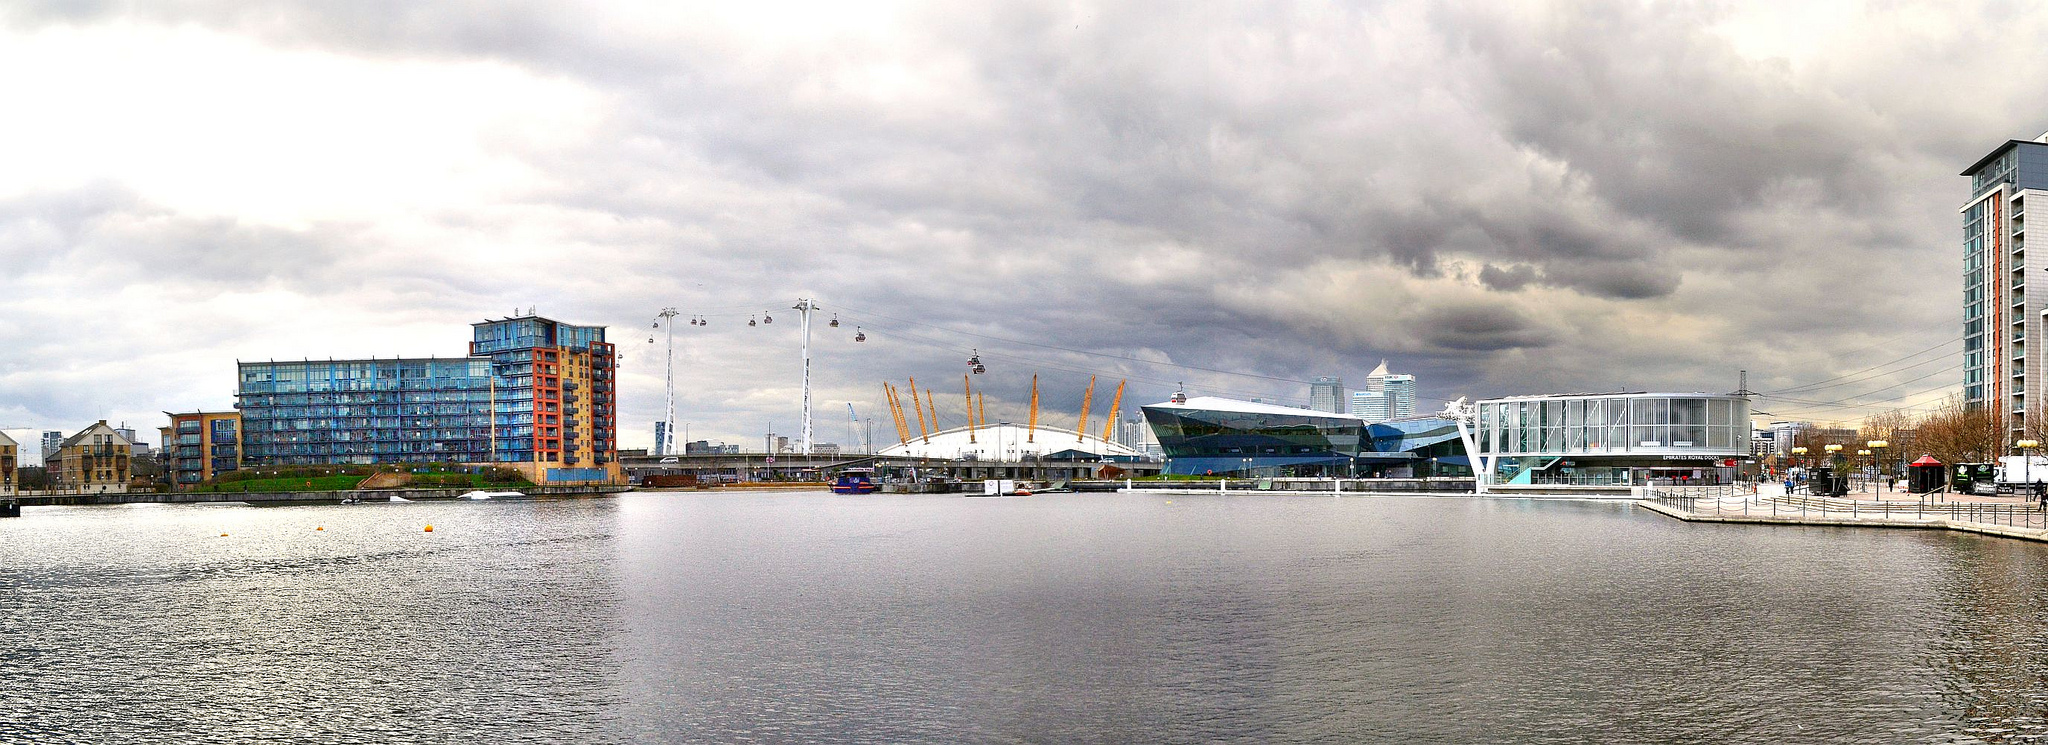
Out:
{"x": 1768, "y": 504}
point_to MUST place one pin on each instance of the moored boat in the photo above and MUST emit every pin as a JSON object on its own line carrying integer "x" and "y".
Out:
{"x": 854, "y": 481}
{"x": 480, "y": 494}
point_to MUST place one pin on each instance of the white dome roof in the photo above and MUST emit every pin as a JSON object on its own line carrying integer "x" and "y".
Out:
{"x": 1003, "y": 442}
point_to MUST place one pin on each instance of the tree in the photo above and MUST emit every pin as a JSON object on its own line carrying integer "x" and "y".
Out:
{"x": 1957, "y": 432}
{"x": 1897, "y": 427}
{"x": 1816, "y": 440}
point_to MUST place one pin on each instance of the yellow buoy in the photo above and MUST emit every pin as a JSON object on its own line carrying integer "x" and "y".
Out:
{"x": 223, "y": 535}
{"x": 1169, "y": 501}
{"x": 319, "y": 527}
{"x": 430, "y": 528}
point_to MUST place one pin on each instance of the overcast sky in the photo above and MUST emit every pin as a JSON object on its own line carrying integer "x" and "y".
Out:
{"x": 1500, "y": 198}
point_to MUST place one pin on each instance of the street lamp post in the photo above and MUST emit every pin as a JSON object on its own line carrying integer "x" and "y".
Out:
{"x": 1873, "y": 465}
{"x": 2027, "y": 462}
{"x": 1800, "y": 453}
{"x": 1833, "y": 450}
{"x": 1875, "y": 447}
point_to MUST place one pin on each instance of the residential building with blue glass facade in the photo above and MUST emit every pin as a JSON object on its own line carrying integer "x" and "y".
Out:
{"x": 557, "y": 397}
{"x": 533, "y": 394}
{"x": 329, "y": 412}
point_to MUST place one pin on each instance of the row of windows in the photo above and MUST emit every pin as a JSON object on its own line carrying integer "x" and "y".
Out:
{"x": 328, "y": 434}
{"x": 270, "y": 454}
{"x": 359, "y": 410}
{"x": 260, "y": 428}
{"x": 253, "y": 400}
{"x": 1609, "y": 424}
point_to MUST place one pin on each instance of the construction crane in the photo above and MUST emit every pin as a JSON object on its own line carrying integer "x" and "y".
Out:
{"x": 852, "y": 421}
{"x": 1087, "y": 402}
{"x": 1109, "y": 427}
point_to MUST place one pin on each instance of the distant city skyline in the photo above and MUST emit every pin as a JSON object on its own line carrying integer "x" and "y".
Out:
{"x": 1327, "y": 394}
{"x": 1386, "y": 395}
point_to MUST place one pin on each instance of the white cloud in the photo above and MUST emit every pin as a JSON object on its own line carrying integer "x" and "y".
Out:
{"x": 1501, "y": 197}
{"x": 203, "y": 122}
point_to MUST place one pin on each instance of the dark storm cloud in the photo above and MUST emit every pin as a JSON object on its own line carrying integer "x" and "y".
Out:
{"x": 1507, "y": 279}
{"x": 1482, "y": 328}
{"x": 1285, "y": 190}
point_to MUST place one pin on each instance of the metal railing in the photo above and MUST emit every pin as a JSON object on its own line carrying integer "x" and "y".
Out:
{"x": 1734, "y": 502}
{"x": 1579, "y": 480}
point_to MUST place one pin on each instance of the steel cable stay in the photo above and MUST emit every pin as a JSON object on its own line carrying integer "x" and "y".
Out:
{"x": 849, "y": 313}
{"x": 1039, "y": 362}
{"x": 1851, "y": 399}
{"x": 1267, "y": 396}
{"x": 1831, "y": 381}
{"x": 1106, "y": 355}
{"x": 1813, "y": 388}
{"x": 1799, "y": 410}
{"x": 1878, "y": 404}
{"x": 849, "y": 317}
{"x": 1902, "y": 335}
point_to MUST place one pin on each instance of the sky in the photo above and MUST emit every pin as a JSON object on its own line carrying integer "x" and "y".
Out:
{"x": 1499, "y": 198}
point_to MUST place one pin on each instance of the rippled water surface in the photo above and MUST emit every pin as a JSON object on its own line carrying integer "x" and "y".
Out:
{"x": 1111, "y": 618}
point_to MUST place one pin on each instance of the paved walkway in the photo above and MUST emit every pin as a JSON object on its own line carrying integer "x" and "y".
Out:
{"x": 1866, "y": 494}
{"x": 2000, "y": 516}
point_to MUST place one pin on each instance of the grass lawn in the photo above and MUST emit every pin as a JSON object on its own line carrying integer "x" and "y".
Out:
{"x": 453, "y": 481}
{"x": 310, "y": 483}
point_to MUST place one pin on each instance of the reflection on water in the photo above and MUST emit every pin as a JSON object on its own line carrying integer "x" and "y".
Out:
{"x": 811, "y": 617}
{"x": 144, "y": 624}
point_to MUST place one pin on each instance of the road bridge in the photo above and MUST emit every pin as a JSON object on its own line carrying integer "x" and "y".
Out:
{"x": 749, "y": 467}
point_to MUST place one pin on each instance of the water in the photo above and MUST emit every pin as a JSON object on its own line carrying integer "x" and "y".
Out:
{"x": 1058, "y": 618}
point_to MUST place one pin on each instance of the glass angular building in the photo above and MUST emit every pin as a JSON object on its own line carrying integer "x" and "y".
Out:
{"x": 533, "y": 394}
{"x": 1220, "y": 436}
{"x": 1612, "y": 438}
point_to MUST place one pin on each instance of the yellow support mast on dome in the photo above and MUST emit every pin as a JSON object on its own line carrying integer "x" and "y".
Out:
{"x": 926, "y": 434}
{"x": 1031, "y": 433}
{"x": 1087, "y": 402}
{"x": 1109, "y": 427}
{"x": 896, "y": 413}
{"x": 968, "y": 382}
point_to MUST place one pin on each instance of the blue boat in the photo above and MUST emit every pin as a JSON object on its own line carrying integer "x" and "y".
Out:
{"x": 854, "y": 481}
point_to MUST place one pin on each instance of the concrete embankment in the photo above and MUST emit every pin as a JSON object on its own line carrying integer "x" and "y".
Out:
{"x": 302, "y": 497}
{"x": 1881, "y": 520}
